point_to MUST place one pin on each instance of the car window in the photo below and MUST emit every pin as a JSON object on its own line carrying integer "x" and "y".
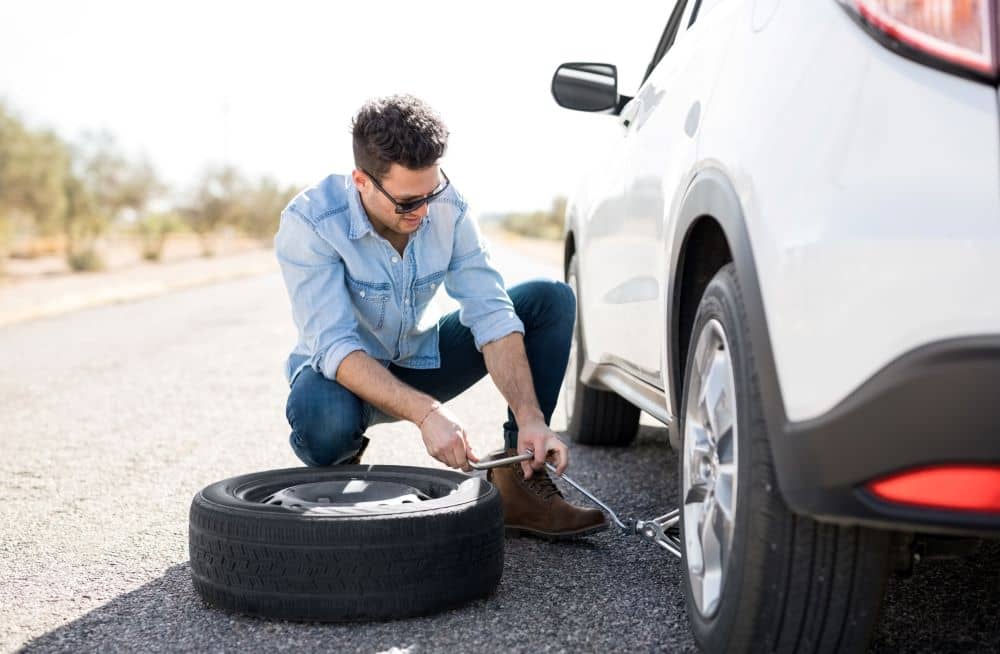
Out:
{"x": 704, "y": 6}
{"x": 691, "y": 13}
{"x": 668, "y": 36}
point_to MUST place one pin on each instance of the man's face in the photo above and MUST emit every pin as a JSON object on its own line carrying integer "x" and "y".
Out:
{"x": 403, "y": 184}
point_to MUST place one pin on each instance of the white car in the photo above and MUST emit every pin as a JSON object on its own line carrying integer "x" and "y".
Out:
{"x": 791, "y": 258}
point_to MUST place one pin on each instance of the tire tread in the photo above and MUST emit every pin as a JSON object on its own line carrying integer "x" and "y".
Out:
{"x": 346, "y": 569}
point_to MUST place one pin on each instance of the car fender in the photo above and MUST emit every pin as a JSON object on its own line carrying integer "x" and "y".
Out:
{"x": 710, "y": 193}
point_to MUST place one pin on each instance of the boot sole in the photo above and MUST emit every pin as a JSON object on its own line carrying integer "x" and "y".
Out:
{"x": 516, "y": 530}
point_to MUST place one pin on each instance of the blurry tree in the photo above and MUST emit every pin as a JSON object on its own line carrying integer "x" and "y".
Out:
{"x": 263, "y": 205}
{"x": 153, "y": 230}
{"x": 539, "y": 224}
{"x": 82, "y": 225}
{"x": 218, "y": 200}
{"x": 6, "y": 237}
{"x": 33, "y": 167}
{"x": 102, "y": 185}
{"x": 66, "y": 197}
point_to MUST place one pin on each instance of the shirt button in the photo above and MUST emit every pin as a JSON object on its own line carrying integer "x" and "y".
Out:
{"x": 406, "y": 300}
{"x": 395, "y": 259}
{"x": 361, "y": 293}
{"x": 433, "y": 284}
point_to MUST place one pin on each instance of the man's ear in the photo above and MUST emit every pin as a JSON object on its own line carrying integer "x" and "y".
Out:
{"x": 360, "y": 179}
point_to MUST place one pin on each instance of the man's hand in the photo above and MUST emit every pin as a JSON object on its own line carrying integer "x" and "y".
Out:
{"x": 445, "y": 439}
{"x": 536, "y": 436}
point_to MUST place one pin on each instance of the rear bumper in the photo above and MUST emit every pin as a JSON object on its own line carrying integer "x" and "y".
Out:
{"x": 938, "y": 404}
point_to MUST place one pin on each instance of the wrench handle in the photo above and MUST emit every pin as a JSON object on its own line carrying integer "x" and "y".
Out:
{"x": 496, "y": 463}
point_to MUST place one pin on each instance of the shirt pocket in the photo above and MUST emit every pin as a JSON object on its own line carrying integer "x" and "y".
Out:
{"x": 425, "y": 288}
{"x": 369, "y": 300}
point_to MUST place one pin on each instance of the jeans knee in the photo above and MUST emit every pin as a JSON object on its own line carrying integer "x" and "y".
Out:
{"x": 560, "y": 306}
{"x": 326, "y": 422}
{"x": 546, "y": 301}
{"x": 317, "y": 449}
{"x": 564, "y": 299}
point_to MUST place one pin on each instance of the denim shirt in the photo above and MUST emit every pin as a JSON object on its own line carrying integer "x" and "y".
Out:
{"x": 351, "y": 290}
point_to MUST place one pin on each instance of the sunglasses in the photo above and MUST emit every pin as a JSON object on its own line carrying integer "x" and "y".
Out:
{"x": 410, "y": 205}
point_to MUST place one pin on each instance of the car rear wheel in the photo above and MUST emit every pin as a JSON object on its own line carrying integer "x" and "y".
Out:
{"x": 758, "y": 577}
{"x": 593, "y": 417}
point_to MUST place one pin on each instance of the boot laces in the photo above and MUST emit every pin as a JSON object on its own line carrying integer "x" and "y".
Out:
{"x": 541, "y": 484}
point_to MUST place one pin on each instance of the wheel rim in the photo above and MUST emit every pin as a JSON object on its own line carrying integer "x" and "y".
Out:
{"x": 354, "y": 492}
{"x": 709, "y": 467}
{"x": 572, "y": 369}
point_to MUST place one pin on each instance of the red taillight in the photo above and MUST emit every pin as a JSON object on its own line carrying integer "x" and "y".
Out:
{"x": 958, "y": 487}
{"x": 958, "y": 32}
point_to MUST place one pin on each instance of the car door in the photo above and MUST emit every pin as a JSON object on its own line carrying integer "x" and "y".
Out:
{"x": 623, "y": 284}
{"x": 660, "y": 157}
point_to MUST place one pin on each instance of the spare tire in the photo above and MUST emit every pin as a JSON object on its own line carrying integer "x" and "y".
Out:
{"x": 346, "y": 542}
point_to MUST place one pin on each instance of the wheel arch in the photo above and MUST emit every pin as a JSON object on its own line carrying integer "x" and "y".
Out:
{"x": 703, "y": 253}
{"x": 569, "y": 249}
{"x": 709, "y": 232}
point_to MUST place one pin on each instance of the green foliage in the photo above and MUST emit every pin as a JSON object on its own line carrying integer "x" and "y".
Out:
{"x": 153, "y": 230}
{"x": 223, "y": 197}
{"x": 218, "y": 199}
{"x": 102, "y": 184}
{"x": 539, "y": 224}
{"x": 83, "y": 224}
{"x": 33, "y": 167}
{"x": 85, "y": 261}
{"x": 262, "y": 211}
{"x": 113, "y": 182}
{"x": 6, "y": 236}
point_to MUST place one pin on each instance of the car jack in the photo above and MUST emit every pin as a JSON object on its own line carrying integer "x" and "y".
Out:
{"x": 664, "y": 530}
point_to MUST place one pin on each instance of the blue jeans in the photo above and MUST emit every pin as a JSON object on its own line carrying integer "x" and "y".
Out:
{"x": 328, "y": 420}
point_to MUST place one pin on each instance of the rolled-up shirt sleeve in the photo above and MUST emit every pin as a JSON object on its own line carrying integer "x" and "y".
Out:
{"x": 321, "y": 306}
{"x": 484, "y": 306}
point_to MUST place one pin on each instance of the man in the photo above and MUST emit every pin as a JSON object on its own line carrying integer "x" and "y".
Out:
{"x": 362, "y": 255}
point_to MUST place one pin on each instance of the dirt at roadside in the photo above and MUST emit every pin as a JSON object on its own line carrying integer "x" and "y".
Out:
{"x": 120, "y": 252}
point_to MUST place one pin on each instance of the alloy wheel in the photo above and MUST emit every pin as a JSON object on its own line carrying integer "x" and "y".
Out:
{"x": 709, "y": 467}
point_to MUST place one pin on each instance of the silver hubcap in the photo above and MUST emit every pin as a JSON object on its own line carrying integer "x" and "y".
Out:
{"x": 569, "y": 381}
{"x": 709, "y": 468}
{"x": 353, "y": 492}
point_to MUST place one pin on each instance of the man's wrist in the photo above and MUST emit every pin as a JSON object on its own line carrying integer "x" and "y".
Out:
{"x": 428, "y": 410}
{"x": 529, "y": 415}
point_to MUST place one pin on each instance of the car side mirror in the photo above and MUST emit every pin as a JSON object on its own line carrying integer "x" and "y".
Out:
{"x": 586, "y": 87}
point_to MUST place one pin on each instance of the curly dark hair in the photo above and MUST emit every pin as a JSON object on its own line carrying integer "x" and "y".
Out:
{"x": 398, "y": 129}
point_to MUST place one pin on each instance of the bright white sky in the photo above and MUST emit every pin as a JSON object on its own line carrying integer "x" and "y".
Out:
{"x": 272, "y": 86}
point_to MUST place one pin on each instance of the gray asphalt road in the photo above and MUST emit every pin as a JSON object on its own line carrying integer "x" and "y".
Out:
{"x": 113, "y": 418}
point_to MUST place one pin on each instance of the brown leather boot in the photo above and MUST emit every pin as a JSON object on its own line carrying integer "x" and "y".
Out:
{"x": 536, "y": 506}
